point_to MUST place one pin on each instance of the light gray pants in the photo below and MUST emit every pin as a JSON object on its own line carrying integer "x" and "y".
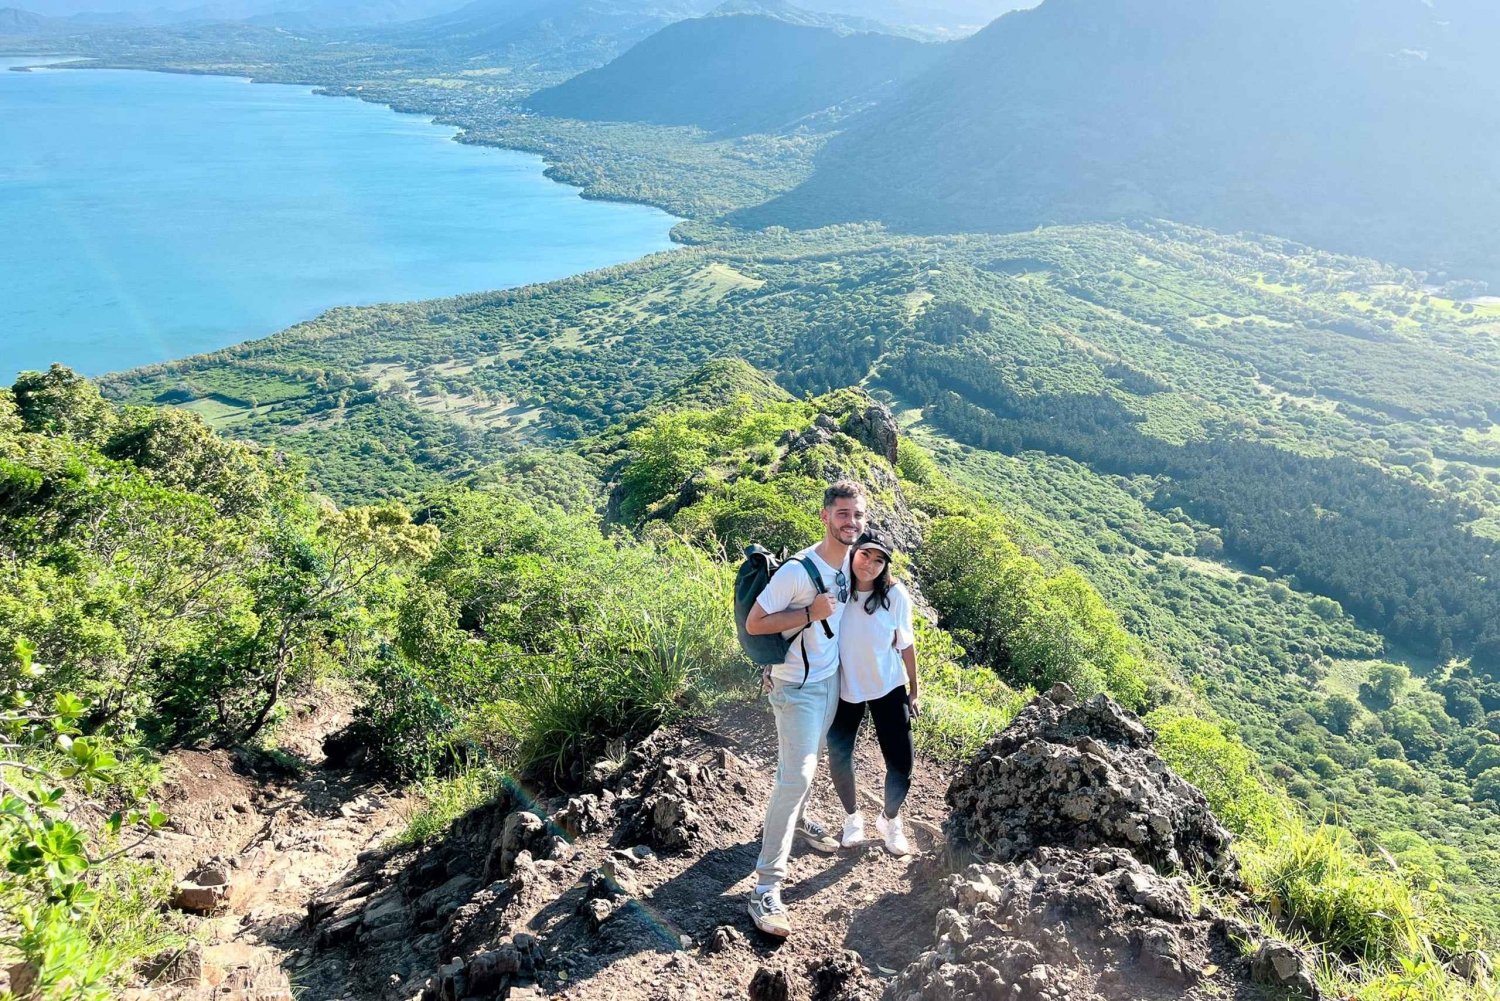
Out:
{"x": 803, "y": 716}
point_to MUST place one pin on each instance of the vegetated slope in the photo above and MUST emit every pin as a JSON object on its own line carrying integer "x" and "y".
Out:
{"x": 497, "y": 633}
{"x": 738, "y": 73}
{"x": 570, "y": 33}
{"x": 1362, "y": 127}
{"x": 1148, "y": 343}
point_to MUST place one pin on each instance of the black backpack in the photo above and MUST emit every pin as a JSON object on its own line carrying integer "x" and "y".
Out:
{"x": 754, "y": 574}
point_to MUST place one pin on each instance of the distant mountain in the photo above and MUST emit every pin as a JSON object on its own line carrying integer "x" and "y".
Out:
{"x": 951, "y": 17}
{"x": 24, "y": 23}
{"x": 1369, "y": 126}
{"x": 561, "y": 34}
{"x": 781, "y": 10}
{"x": 738, "y": 73}
{"x": 335, "y": 14}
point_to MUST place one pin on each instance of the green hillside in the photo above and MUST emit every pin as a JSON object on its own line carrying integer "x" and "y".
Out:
{"x": 1308, "y": 543}
{"x": 495, "y": 631}
{"x": 739, "y": 74}
{"x": 1337, "y": 123}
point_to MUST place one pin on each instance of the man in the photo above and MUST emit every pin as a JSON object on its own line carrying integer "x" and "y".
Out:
{"x": 803, "y": 696}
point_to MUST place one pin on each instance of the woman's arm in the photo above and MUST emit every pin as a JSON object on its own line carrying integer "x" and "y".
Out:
{"x": 909, "y": 658}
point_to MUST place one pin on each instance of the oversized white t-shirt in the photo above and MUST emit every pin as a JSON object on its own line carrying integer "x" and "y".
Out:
{"x": 791, "y": 587}
{"x": 870, "y": 645}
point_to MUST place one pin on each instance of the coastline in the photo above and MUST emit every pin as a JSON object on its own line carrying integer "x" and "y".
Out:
{"x": 553, "y": 167}
{"x": 523, "y": 163}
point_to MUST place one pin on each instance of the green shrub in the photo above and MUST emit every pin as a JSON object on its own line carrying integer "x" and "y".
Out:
{"x": 1034, "y": 628}
{"x": 75, "y": 912}
{"x": 409, "y": 721}
{"x": 1224, "y": 770}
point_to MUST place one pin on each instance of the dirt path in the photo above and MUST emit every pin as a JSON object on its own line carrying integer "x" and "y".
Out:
{"x": 322, "y": 908}
{"x": 282, "y": 827}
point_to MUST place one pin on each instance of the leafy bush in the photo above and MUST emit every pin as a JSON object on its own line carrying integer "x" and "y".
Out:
{"x": 410, "y": 723}
{"x": 1033, "y": 627}
{"x": 1224, "y": 770}
{"x": 74, "y": 912}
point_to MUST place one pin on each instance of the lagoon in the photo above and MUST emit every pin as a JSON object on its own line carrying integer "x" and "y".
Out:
{"x": 148, "y": 216}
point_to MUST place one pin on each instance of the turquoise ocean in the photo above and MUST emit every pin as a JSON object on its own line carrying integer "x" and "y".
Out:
{"x": 149, "y": 216}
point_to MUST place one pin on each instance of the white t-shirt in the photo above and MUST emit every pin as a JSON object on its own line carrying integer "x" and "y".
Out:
{"x": 870, "y": 645}
{"x": 791, "y": 587}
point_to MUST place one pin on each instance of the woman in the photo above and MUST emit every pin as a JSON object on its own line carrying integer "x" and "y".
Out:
{"x": 878, "y": 672}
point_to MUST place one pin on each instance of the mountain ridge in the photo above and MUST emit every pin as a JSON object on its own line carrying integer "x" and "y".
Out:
{"x": 1279, "y": 121}
{"x": 738, "y": 74}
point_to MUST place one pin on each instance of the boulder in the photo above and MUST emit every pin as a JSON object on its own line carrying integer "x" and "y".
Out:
{"x": 205, "y": 890}
{"x": 1284, "y": 967}
{"x": 1082, "y": 776}
{"x": 1064, "y": 926}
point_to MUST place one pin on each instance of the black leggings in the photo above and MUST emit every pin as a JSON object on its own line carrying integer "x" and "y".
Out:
{"x": 893, "y": 731}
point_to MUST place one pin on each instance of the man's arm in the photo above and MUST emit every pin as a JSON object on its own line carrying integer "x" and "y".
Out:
{"x": 762, "y": 623}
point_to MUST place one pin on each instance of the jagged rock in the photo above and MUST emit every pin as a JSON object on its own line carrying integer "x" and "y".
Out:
{"x": 426, "y": 874}
{"x": 489, "y": 915}
{"x": 1277, "y": 964}
{"x": 338, "y": 931}
{"x": 770, "y": 985}
{"x": 722, "y": 939}
{"x": 842, "y": 978}
{"x": 1063, "y": 926}
{"x": 665, "y": 815}
{"x": 814, "y": 436}
{"x": 521, "y": 831}
{"x": 1083, "y": 776}
{"x": 585, "y": 814}
{"x": 636, "y": 763}
{"x": 489, "y": 973}
{"x": 596, "y": 910}
{"x": 456, "y": 888}
{"x": 875, "y": 428}
{"x": 382, "y": 911}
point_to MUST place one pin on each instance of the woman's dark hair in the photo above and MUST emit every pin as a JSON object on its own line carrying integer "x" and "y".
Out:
{"x": 880, "y": 590}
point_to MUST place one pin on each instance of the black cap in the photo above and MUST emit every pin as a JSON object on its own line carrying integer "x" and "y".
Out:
{"x": 874, "y": 540}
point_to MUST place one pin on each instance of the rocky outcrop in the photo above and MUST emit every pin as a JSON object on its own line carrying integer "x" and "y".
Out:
{"x": 1065, "y": 925}
{"x": 1087, "y": 840}
{"x": 875, "y": 429}
{"x": 666, "y": 814}
{"x": 1084, "y": 776}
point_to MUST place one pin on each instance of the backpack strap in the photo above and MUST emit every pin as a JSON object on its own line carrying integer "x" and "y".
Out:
{"x": 818, "y": 585}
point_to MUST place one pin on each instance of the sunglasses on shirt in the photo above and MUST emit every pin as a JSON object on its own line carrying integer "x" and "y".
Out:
{"x": 842, "y": 583}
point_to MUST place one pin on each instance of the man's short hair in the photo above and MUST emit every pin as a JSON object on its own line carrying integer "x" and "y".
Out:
{"x": 843, "y": 489}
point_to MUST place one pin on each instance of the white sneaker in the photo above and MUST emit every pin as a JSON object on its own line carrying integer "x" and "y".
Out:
{"x": 893, "y": 833}
{"x": 854, "y": 830}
